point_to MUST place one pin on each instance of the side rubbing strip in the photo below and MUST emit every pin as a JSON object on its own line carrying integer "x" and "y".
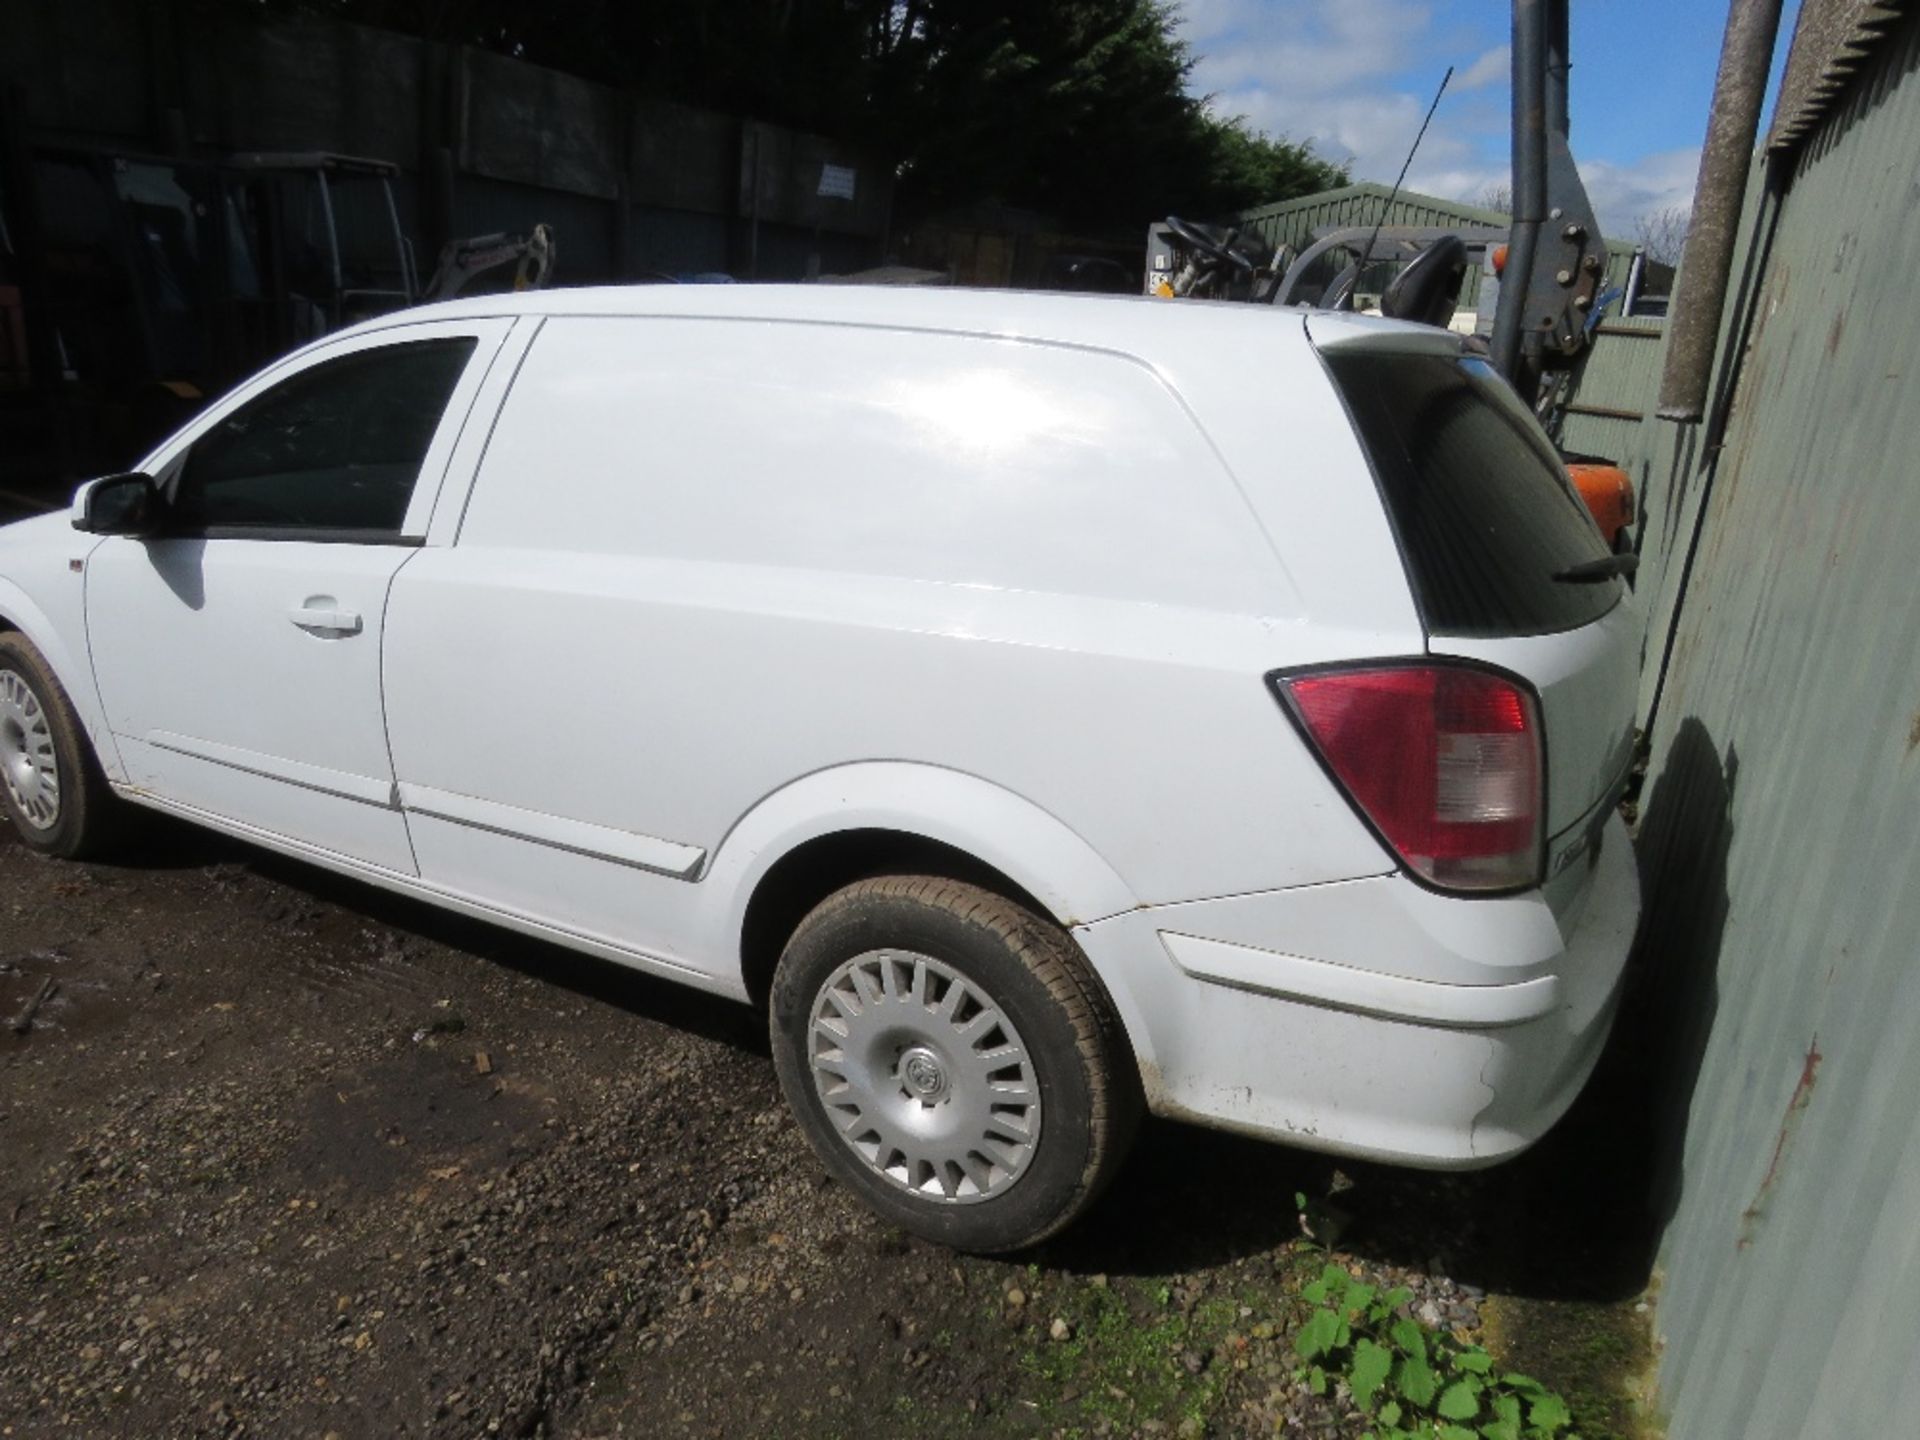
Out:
{"x": 1343, "y": 987}
{"x": 600, "y": 842}
{"x": 368, "y": 790}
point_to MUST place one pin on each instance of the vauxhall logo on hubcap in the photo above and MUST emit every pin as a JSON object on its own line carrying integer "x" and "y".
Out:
{"x": 923, "y": 1074}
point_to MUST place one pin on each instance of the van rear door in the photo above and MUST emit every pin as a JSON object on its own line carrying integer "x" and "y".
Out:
{"x": 1493, "y": 537}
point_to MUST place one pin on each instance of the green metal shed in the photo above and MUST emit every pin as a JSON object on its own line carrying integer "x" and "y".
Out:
{"x": 1293, "y": 222}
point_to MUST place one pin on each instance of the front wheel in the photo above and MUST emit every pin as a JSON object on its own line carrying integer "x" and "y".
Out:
{"x": 51, "y": 788}
{"x": 952, "y": 1060}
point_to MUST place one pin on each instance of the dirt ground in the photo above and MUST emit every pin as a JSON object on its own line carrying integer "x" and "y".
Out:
{"x": 282, "y": 1155}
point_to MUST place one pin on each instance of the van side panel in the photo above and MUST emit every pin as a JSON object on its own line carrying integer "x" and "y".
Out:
{"x": 1278, "y": 423}
{"x": 705, "y": 559}
{"x": 961, "y": 459}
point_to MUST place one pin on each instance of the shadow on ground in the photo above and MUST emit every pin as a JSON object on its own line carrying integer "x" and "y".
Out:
{"x": 260, "y": 1076}
{"x": 1578, "y": 1218}
{"x": 161, "y": 845}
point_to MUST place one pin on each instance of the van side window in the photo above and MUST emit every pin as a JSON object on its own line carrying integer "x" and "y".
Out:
{"x": 1481, "y": 505}
{"x": 334, "y": 450}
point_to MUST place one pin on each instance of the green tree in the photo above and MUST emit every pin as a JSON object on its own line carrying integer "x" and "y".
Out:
{"x": 1075, "y": 108}
{"x": 1250, "y": 168}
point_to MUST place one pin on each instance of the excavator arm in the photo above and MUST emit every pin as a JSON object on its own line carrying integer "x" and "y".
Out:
{"x": 462, "y": 262}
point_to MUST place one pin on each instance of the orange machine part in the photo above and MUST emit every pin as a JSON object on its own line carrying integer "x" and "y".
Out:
{"x": 1608, "y": 493}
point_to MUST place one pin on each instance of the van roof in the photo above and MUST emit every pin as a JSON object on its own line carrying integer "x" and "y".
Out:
{"x": 1134, "y": 324}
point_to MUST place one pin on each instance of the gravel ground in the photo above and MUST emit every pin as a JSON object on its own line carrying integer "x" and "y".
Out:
{"x": 287, "y": 1156}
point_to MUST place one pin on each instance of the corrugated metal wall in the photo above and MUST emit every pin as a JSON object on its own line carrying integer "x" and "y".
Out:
{"x": 1781, "y": 823}
{"x": 1292, "y": 222}
{"x": 1617, "y": 389}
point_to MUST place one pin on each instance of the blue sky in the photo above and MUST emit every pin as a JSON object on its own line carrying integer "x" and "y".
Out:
{"x": 1355, "y": 76}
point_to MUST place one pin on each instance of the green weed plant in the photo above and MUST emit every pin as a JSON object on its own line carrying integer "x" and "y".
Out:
{"x": 1414, "y": 1383}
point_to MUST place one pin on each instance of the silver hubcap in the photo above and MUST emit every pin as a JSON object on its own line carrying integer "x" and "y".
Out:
{"x": 924, "y": 1076}
{"x": 28, "y": 767}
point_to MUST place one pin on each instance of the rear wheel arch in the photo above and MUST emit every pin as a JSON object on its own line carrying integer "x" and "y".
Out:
{"x": 836, "y": 826}
{"x": 816, "y": 869}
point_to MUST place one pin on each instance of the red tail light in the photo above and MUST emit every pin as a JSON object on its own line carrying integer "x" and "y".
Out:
{"x": 1443, "y": 760}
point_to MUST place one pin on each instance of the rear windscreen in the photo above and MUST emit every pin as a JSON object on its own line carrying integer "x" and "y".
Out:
{"x": 1482, "y": 506}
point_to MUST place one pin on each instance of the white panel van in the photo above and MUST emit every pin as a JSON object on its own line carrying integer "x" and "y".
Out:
{"x": 1049, "y": 709}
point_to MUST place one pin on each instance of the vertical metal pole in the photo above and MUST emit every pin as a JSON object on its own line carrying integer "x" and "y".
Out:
{"x": 1700, "y": 296}
{"x": 623, "y": 233}
{"x": 335, "y": 308}
{"x": 409, "y": 282}
{"x": 433, "y": 218}
{"x": 1529, "y": 180}
{"x": 623, "y": 197}
{"x": 1558, "y": 64}
{"x": 753, "y": 236}
{"x": 445, "y": 202}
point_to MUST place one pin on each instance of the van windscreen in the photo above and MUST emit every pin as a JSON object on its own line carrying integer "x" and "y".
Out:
{"x": 1481, "y": 505}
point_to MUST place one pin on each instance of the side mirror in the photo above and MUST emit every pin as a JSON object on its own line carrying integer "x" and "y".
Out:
{"x": 117, "y": 505}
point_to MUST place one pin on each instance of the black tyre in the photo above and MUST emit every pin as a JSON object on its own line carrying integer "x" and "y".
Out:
{"x": 953, "y": 1060}
{"x": 51, "y": 788}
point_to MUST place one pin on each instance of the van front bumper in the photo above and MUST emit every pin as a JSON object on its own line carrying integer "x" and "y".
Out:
{"x": 1374, "y": 1018}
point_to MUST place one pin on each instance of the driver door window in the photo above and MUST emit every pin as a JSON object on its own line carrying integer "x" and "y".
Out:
{"x": 237, "y": 653}
{"x": 332, "y": 453}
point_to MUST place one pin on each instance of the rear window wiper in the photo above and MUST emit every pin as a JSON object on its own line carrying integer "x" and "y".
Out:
{"x": 1592, "y": 572}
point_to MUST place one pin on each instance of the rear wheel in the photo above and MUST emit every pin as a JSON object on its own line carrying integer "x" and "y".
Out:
{"x": 952, "y": 1060}
{"x": 51, "y": 788}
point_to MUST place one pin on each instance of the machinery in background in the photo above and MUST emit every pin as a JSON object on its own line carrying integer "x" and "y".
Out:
{"x": 1191, "y": 261}
{"x": 327, "y": 236}
{"x": 1406, "y": 272}
{"x": 487, "y": 264}
{"x": 1551, "y": 276}
{"x": 1607, "y": 491}
{"x": 134, "y": 287}
{"x": 1546, "y": 272}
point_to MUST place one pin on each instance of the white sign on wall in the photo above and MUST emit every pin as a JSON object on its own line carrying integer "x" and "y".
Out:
{"x": 836, "y": 181}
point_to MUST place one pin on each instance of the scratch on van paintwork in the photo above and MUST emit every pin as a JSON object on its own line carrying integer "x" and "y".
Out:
{"x": 1789, "y": 1126}
{"x": 1473, "y": 1128}
{"x": 1913, "y": 733}
{"x": 1162, "y": 1101}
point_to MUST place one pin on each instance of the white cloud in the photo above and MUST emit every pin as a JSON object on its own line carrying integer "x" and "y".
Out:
{"x": 1332, "y": 72}
{"x": 1352, "y": 77}
{"x": 1490, "y": 69}
{"x": 1468, "y": 183}
{"x": 1621, "y": 194}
